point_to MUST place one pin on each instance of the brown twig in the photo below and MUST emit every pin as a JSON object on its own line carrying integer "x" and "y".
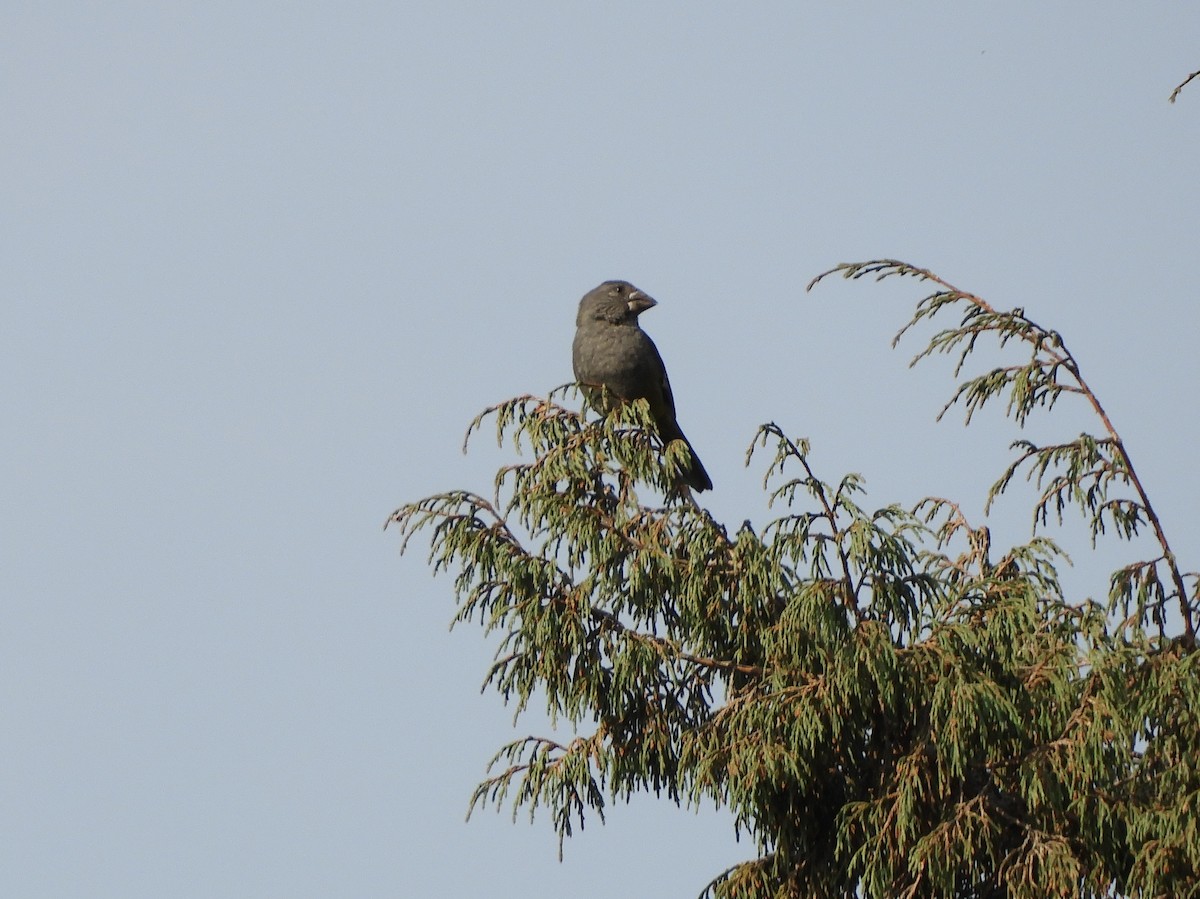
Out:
{"x": 1175, "y": 93}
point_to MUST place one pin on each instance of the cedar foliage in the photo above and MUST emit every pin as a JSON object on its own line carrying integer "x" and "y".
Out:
{"x": 889, "y": 706}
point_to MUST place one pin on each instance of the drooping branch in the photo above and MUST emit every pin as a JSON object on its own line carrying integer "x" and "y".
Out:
{"x": 1036, "y": 384}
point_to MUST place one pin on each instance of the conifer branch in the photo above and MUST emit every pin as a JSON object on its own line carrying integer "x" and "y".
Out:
{"x": 1036, "y": 384}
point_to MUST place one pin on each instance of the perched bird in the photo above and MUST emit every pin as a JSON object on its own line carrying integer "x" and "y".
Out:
{"x": 611, "y": 351}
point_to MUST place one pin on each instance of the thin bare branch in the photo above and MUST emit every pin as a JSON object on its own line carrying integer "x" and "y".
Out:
{"x": 1181, "y": 86}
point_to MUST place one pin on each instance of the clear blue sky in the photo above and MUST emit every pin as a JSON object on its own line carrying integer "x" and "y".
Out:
{"x": 262, "y": 263}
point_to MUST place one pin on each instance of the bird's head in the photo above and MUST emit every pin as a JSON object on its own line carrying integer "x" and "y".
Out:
{"x": 614, "y": 301}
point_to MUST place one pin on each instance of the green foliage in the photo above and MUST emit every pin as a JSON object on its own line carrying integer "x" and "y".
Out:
{"x": 887, "y": 709}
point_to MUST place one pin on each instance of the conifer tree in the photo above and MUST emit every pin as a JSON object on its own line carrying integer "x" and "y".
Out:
{"x": 890, "y": 705}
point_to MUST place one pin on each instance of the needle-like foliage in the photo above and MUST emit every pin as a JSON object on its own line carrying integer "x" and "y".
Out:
{"x": 889, "y": 706}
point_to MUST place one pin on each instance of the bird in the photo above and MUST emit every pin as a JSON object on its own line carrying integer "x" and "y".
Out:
{"x": 615, "y": 361}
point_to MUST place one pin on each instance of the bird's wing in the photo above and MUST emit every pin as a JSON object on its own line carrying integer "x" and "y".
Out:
{"x": 661, "y": 379}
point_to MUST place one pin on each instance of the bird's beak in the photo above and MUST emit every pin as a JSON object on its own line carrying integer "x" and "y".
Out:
{"x": 639, "y": 302}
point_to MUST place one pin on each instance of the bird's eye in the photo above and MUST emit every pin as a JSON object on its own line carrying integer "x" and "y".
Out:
{"x": 618, "y": 289}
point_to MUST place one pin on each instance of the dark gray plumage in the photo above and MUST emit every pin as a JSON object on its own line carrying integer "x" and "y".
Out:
{"x": 612, "y": 351}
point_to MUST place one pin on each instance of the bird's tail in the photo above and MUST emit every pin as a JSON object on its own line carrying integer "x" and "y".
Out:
{"x": 694, "y": 475}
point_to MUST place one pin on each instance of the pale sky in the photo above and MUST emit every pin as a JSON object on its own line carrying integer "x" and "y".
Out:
{"x": 264, "y": 262}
